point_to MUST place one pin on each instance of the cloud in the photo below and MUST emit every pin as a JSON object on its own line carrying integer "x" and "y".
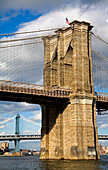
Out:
{"x": 37, "y": 116}
{"x": 97, "y": 2}
{"x": 35, "y": 7}
{"x": 27, "y": 110}
{"x": 1, "y": 127}
{"x": 56, "y": 17}
{"x": 42, "y": 5}
{"x": 13, "y": 108}
{"x": 45, "y": 5}
{"x": 31, "y": 132}
{"x": 103, "y": 126}
{"x": 102, "y": 123}
{"x": 102, "y": 119}
{"x": 3, "y": 133}
{"x": 7, "y": 18}
{"x": 27, "y": 132}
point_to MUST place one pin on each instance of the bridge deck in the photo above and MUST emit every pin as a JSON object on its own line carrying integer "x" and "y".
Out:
{"x": 20, "y": 137}
{"x": 31, "y": 93}
{"x": 17, "y": 87}
{"x": 36, "y": 137}
{"x": 102, "y": 137}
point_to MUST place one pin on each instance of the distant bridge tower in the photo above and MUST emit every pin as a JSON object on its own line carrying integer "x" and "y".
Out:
{"x": 69, "y": 129}
{"x": 17, "y": 133}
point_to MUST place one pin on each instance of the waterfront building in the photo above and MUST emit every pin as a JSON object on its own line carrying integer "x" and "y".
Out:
{"x": 5, "y": 146}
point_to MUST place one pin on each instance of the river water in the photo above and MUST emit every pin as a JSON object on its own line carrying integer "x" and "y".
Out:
{"x": 33, "y": 163}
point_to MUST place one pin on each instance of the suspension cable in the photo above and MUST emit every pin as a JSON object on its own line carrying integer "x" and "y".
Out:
{"x": 99, "y": 38}
{"x": 43, "y": 30}
{"x": 100, "y": 68}
{"x": 100, "y": 55}
{"x": 35, "y": 42}
{"x": 30, "y": 121}
{"x": 7, "y": 120}
{"x": 22, "y": 39}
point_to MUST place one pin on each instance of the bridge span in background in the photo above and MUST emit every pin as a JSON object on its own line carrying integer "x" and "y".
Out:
{"x": 36, "y": 137}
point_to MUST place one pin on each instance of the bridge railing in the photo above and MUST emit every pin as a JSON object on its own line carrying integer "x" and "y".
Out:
{"x": 37, "y": 137}
{"x": 20, "y": 137}
{"x": 102, "y": 96}
{"x": 17, "y": 87}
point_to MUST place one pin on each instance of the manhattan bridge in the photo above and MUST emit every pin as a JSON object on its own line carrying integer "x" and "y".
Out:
{"x": 35, "y": 67}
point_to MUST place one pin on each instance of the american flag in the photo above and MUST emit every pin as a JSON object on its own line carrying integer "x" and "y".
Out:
{"x": 67, "y": 21}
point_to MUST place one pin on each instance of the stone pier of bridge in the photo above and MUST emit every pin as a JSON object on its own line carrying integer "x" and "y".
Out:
{"x": 69, "y": 130}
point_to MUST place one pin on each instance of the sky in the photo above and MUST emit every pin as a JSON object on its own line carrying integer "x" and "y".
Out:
{"x": 29, "y": 15}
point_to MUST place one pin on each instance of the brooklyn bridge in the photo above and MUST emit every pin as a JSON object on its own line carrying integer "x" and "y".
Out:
{"x": 69, "y": 82}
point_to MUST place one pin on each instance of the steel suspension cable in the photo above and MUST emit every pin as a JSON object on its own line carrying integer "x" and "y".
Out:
{"x": 100, "y": 68}
{"x": 99, "y": 38}
{"x": 36, "y": 31}
{"x": 23, "y": 39}
{"x": 100, "y": 55}
{"x": 30, "y": 121}
{"x": 7, "y": 120}
{"x": 36, "y": 42}
{"x": 22, "y": 53}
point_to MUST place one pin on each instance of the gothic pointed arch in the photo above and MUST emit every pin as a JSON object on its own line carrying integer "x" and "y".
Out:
{"x": 69, "y": 49}
{"x": 68, "y": 67}
{"x": 54, "y": 68}
{"x": 68, "y": 45}
{"x": 55, "y": 55}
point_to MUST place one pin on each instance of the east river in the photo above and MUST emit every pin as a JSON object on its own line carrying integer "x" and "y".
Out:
{"x": 33, "y": 163}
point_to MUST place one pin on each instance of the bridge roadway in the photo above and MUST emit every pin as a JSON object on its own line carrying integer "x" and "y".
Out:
{"x": 20, "y": 137}
{"x": 36, "y": 137}
{"x": 31, "y": 93}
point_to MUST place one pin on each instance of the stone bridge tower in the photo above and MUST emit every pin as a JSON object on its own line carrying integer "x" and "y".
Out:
{"x": 69, "y": 130}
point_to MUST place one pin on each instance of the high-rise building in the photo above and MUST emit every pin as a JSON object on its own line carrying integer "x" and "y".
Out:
{"x": 4, "y": 146}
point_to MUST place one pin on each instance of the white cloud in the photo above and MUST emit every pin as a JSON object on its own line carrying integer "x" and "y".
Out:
{"x": 1, "y": 127}
{"x": 102, "y": 123}
{"x": 45, "y": 5}
{"x": 37, "y": 115}
{"x": 27, "y": 132}
{"x": 7, "y": 18}
{"x": 13, "y": 108}
{"x": 3, "y": 133}
{"x": 103, "y": 126}
{"x": 39, "y": 6}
